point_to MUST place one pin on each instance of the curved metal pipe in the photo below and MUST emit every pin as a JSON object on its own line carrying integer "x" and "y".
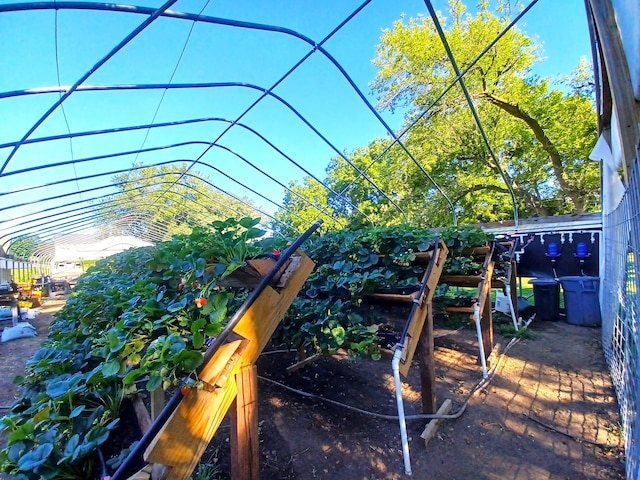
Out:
{"x": 406, "y": 129}
{"x": 472, "y": 107}
{"x": 153, "y": 15}
{"x": 211, "y": 144}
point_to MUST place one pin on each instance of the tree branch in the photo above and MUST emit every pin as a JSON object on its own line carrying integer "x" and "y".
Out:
{"x": 545, "y": 142}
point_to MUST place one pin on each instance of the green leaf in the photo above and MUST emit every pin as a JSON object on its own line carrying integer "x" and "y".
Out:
{"x": 154, "y": 382}
{"x": 33, "y": 459}
{"x": 218, "y": 316}
{"x": 59, "y": 388}
{"x": 254, "y": 233}
{"x": 115, "y": 344}
{"x": 196, "y": 330}
{"x": 22, "y": 432}
{"x": 111, "y": 368}
{"x": 189, "y": 359}
{"x": 248, "y": 222}
{"x": 177, "y": 306}
{"x": 212, "y": 329}
{"x": 131, "y": 377}
{"x": 72, "y": 444}
{"x": 77, "y": 411}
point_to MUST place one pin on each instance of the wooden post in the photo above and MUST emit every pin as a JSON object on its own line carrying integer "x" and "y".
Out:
{"x": 427, "y": 364}
{"x": 486, "y": 326}
{"x": 245, "y": 454}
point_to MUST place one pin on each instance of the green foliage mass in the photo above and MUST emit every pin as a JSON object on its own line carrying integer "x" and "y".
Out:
{"x": 132, "y": 323}
{"x": 351, "y": 264}
{"x": 160, "y": 201}
{"x": 141, "y": 320}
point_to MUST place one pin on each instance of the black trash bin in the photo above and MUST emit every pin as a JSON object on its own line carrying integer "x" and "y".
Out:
{"x": 581, "y": 300}
{"x": 546, "y": 298}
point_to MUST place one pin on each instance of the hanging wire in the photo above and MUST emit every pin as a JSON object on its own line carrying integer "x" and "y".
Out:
{"x": 164, "y": 92}
{"x": 62, "y": 109}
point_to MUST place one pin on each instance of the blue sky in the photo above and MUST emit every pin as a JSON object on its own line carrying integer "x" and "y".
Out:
{"x": 176, "y": 51}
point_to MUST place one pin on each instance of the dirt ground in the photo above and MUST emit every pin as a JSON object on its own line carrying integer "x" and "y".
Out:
{"x": 549, "y": 412}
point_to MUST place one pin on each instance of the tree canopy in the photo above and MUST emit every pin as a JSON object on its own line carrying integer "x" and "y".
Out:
{"x": 539, "y": 134}
{"x": 162, "y": 201}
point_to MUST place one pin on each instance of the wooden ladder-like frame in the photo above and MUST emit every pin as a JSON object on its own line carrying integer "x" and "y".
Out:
{"x": 230, "y": 384}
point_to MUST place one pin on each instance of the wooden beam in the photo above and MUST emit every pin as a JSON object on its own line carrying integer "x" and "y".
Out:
{"x": 302, "y": 363}
{"x": 260, "y": 321}
{"x": 619, "y": 76}
{"x": 432, "y": 427}
{"x": 417, "y": 320}
{"x": 461, "y": 280}
{"x": 245, "y": 454}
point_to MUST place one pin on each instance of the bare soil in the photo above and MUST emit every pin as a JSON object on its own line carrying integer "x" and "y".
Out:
{"x": 549, "y": 412}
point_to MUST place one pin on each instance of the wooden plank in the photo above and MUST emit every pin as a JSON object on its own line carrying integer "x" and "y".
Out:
{"x": 185, "y": 436}
{"x": 157, "y": 402}
{"x": 417, "y": 321}
{"x": 245, "y": 454}
{"x": 423, "y": 257}
{"x": 414, "y": 331}
{"x": 302, "y": 363}
{"x": 461, "y": 280}
{"x": 432, "y": 427}
{"x": 457, "y": 309}
{"x": 617, "y": 71}
{"x": 260, "y": 321}
{"x": 187, "y": 433}
{"x": 392, "y": 297}
{"x": 142, "y": 415}
{"x": 474, "y": 251}
{"x": 251, "y": 273}
{"x": 217, "y": 371}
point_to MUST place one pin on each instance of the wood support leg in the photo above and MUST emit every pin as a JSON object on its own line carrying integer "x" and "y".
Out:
{"x": 427, "y": 364}
{"x": 486, "y": 325}
{"x": 245, "y": 457}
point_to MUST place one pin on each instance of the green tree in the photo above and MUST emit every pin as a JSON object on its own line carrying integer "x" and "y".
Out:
{"x": 541, "y": 137}
{"x": 158, "y": 202}
{"x": 305, "y": 203}
{"x": 24, "y": 246}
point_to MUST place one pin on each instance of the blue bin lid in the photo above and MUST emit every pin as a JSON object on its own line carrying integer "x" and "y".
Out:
{"x": 543, "y": 281}
{"x": 579, "y": 278}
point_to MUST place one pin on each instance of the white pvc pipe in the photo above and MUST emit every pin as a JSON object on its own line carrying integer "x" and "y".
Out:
{"x": 395, "y": 366}
{"x": 507, "y": 289}
{"x": 483, "y": 361}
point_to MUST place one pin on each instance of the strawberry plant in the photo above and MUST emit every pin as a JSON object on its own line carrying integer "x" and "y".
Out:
{"x": 351, "y": 264}
{"x": 140, "y": 320}
{"x": 137, "y": 320}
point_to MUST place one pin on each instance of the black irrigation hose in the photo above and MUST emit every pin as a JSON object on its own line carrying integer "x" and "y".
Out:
{"x": 128, "y": 466}
{"x": 417, "y": 300}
